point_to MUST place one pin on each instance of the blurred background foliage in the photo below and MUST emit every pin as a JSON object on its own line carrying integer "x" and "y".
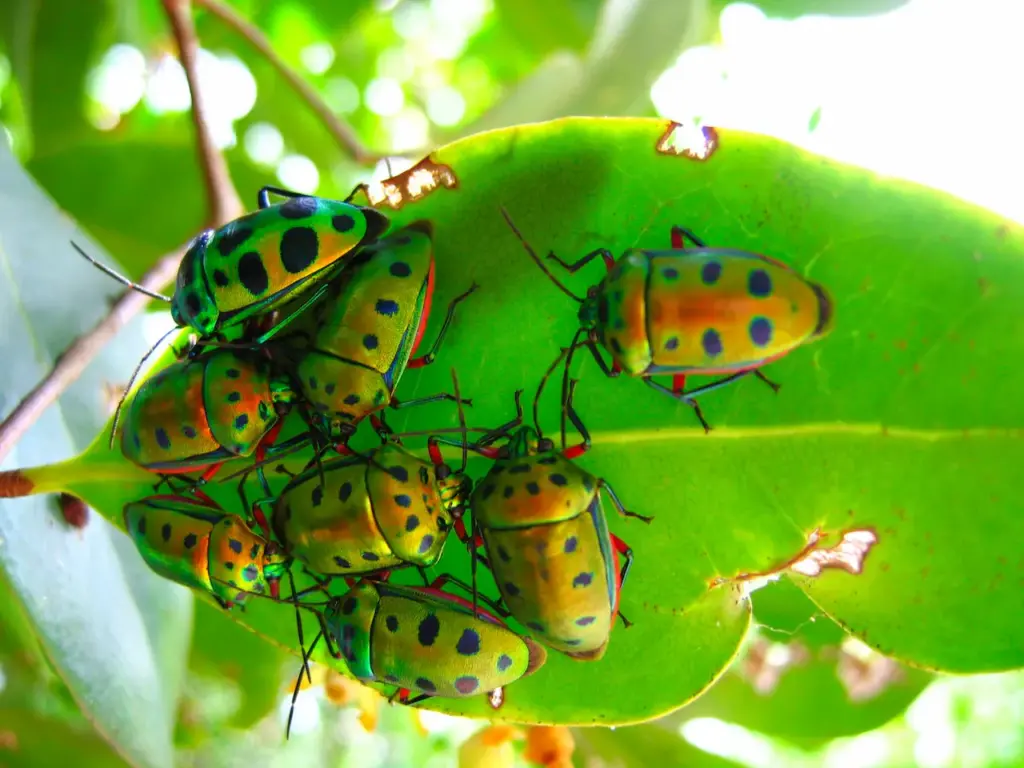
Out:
{"x": 95, "y": 105}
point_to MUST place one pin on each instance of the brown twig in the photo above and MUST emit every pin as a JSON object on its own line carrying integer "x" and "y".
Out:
{"x": 223, "y": 204}
{"x": 343, "y": 133}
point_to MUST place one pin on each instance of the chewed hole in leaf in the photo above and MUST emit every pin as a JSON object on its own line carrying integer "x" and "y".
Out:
{"x": 413, "y": 184}
{"x": 848, "y": 554}
{"x": 696, "y": 142}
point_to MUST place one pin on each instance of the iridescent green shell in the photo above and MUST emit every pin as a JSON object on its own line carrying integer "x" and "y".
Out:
{"x": 369, "y": 329}
{"x": 549, "y": 546}
{"x": 369, "y": 515}
{"x": 196, "y": 413}
{"x": 427, "y": 641}
{"x": 204, "y": 548}
{"x": 259, "y": 261}
{"x": 704, "y": 310}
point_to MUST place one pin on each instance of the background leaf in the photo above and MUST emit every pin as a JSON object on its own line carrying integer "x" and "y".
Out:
{"x": 116, "y": 632}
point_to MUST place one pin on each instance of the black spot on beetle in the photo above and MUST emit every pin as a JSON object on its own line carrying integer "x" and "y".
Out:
{"x": 511, "y": 589}
{"x": 252, "y": 274}
{"x": 220, "y": 278}
{"x": 241, "y": 421}
{"x": 342, "y": 223}
{"x": 558, "y": 479}
{"x": 349, "y": 606}
{"x": 399, "y": 473}
{"x": 235, "y": 546}
{"x": 426, "y": 543}
{"x": 469, "y": 643}
{"x": 162, "y": 438}
{"x": 298, "y": 208}
{"x": 519, "y": 468}
{"x": 165, "y": 532}
{"x": 400, "y": 269}
{"x": 351, "y": 399}
{"x": 369, "y": 557}
{"x": 234, "y": 397}
{"x": 341, "y": 562}
{"x": 425, "y": 685}
{"x": 317, "y": 496}
{"x": 251, "y": 573}
{"x": 504, "y": 662}
{"x": 386, "y": 307}
{"x": 585, "y": 621}
{"x": 428, "y": 630}
{"x": 532, "y": 488}
{"x": 299, "y": 249}
{"x": 467, "y": 684}
{"x": 570, "y": 545}
{"x": 344, "y": 491}
{"x": 411, "y": 523}
{"x": 392, "y": 623}
{"x": 190, "y": 541}
{"x": 403, "y": 500}
{"x": 583, "y": 580}
{"x": 230, "y": 238}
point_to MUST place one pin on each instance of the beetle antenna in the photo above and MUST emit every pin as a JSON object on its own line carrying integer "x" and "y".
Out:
{"x": 537, "y": 260}
{"x": 540, "y": 390}
{"x": 298, "y": 683}
{"x": 131, "y": 382}
{"x": 462, "y": 422}
{"x": 119, "y": 277}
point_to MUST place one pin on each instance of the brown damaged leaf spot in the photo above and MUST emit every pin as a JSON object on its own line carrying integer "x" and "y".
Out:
{"x": 695, "y": 142}
{"x": 413, "y": 184}
{"x": 13, "y": 484}
{"x": 765, "y": 663}
{"x": 848, "y": 554}
{"x": 9, "y": 741}
{"x": 865, "y": 673}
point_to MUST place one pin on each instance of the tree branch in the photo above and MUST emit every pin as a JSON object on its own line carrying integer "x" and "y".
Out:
{"x": 222, "y": 205}
{"x": 342, "y": 132}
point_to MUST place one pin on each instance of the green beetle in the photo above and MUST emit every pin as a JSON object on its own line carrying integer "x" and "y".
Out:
{"x": 360, "y": 514}
{"x": 693, "y": 311}
{"x": 539, "y": 517}
{"x": 197, "y": 414}
{"x": 194, "y": 542}
{"x": 368, "y": 328}
{"x": 426, "y": 640}
{"x": 264, "y": 259}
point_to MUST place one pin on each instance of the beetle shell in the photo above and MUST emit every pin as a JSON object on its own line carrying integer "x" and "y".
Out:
{"x": 202, "y": 547}
{"x": 549, "y": 546}
{"x": 425, "y": 640}
{"x": 368, "y": 330}
{"x": 259, "y": 261}
{"x": 366, "y": 518}
{"x": 195, "y": 413}
{"x": 704, "y": 310}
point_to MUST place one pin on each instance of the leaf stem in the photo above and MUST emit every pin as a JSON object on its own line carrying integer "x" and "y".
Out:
{"x": 341, "y": 131}
{"x": 223, "y": 204}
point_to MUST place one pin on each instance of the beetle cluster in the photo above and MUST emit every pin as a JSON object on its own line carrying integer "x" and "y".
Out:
{"x": 313, "y": 306}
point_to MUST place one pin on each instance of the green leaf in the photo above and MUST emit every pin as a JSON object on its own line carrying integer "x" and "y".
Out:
{"x": 52, "y": 45}
{"x": 32, "y": 739}
{"x": 877, "y": 427}
{"x": 114, "y": 631}
{"x": 641, "y": 746}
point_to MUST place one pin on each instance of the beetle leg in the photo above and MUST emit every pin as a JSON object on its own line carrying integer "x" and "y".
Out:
{"x": 678, "y": 383}
{"x": 415, "y": 700}
{"x": 679, "y": 235}
{"x": 627, "y": 555}
{"x": 604, "y": 253}
{"x": 396, "y": 404}
{"x": 618, "y": 504}
{"x": 775, "y": 387}
{"x": 575, "y": 451}
{"x": 263, "y": 196}
{"x": 427, "y": 359}
{"x": 681, "y": 397}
